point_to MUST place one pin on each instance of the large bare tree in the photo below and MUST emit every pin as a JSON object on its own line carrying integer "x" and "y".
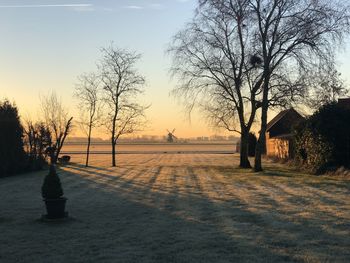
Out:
{"x": 87, "y": 92}
{"x": 217, "y": 68}
{"x": 294, "y": 38}
{"x": 57, "y": 121}
{"x": 122, "y": 83}
{"x": 238, "y": 56}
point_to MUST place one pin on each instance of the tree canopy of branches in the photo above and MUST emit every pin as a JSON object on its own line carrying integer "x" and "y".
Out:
{"x": 294, "y": 38}
{"x": 330, "y": 87}
{"x": 57, "y": 121}
{"x": 237, "y": 56}
{"x": 87, "y": 91}
{"x": 218, "y": 69}
{"x": 12, "y": 155}
{"x": 121, "y": 83}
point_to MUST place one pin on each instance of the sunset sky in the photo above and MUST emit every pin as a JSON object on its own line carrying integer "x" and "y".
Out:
{"x": 46, "y": 44}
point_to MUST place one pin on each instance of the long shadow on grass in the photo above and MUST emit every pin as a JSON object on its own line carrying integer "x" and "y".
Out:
{"x": 191, "y": 227}
{"x": 138, "y": 231}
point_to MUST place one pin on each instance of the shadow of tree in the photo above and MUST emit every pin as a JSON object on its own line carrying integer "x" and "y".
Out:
{"x": 179, "y": 223}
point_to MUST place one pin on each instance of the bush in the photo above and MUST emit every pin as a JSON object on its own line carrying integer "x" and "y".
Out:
{"x": 52, "y": 188}
{"x": 323, "y": 141}
{"x": 12, "y": 155}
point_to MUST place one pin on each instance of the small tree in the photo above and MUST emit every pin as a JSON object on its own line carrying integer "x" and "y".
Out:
{"x": 121, "y": 85}
{"x": 12, "y": 155}
{"x": 37, "y": 139}
{"x": 52, "y": 188}
{"x": 327, "y": 89}
{"x": 57, "y": 121}
{"x": 87, "y": 92}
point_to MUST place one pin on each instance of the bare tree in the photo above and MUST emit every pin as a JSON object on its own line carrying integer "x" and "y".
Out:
{"x": 87, "y": 92}
{"x": 294, "y": 35}
{"x": 57, "y": 121}
{"x": 37, "y": 138}
{"x": 330, "y": 86}
{"x": 217, "y": 68}
{"x": 249, "y": 54}
{"x": 121, "y": 85}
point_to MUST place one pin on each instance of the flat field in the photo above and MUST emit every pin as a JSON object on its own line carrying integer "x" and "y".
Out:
{"x": 209, "y": 147}
{"x": 177, "y": 208}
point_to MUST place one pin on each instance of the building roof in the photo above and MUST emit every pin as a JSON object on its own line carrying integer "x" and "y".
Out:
{"x": 277, "y": 118}
{"x": 344, "y": 102}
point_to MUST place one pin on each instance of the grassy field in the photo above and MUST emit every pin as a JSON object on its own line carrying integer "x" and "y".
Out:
{"x": 209, "y": 147}
{"x": 178, "y": 208}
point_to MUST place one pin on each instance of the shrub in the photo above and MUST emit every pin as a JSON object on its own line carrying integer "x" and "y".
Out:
{"x": 12, "y": 155}
{"x": 323, "y": 141}
{"x": 313, "y": 151}
{"x": 52, "y": 188}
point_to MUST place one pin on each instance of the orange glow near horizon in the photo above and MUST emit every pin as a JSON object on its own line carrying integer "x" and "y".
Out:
{"x": 41, "y": 52}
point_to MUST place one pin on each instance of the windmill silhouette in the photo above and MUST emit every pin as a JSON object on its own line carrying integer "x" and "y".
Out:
{"x": 171, "y": 137}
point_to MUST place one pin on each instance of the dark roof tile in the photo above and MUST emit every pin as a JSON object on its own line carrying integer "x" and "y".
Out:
{"x": 278, "y": 117}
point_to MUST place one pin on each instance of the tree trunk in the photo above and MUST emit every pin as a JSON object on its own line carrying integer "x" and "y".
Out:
{"x": 244, "y": 161}
{"x": 88, "y": 148}
{"x": 51, "y": 154}
{"x": 113, "y": 137}
{"x": 261, "y": 143}
{"x": 61, "y": 139}
{"x": 54, "y": 157}
{"x": 114, "y": 164}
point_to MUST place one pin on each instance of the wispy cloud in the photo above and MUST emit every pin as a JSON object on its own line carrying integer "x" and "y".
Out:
{"x": 48, "y": 5}
{"x": 133, "y": 7}
{"x": 155, "y": 6}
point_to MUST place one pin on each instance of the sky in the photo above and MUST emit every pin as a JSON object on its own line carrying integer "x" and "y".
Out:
{"x": 46, "y": 44}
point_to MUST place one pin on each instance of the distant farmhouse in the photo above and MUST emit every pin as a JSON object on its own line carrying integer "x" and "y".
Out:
{"x": 279, "y": 141}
